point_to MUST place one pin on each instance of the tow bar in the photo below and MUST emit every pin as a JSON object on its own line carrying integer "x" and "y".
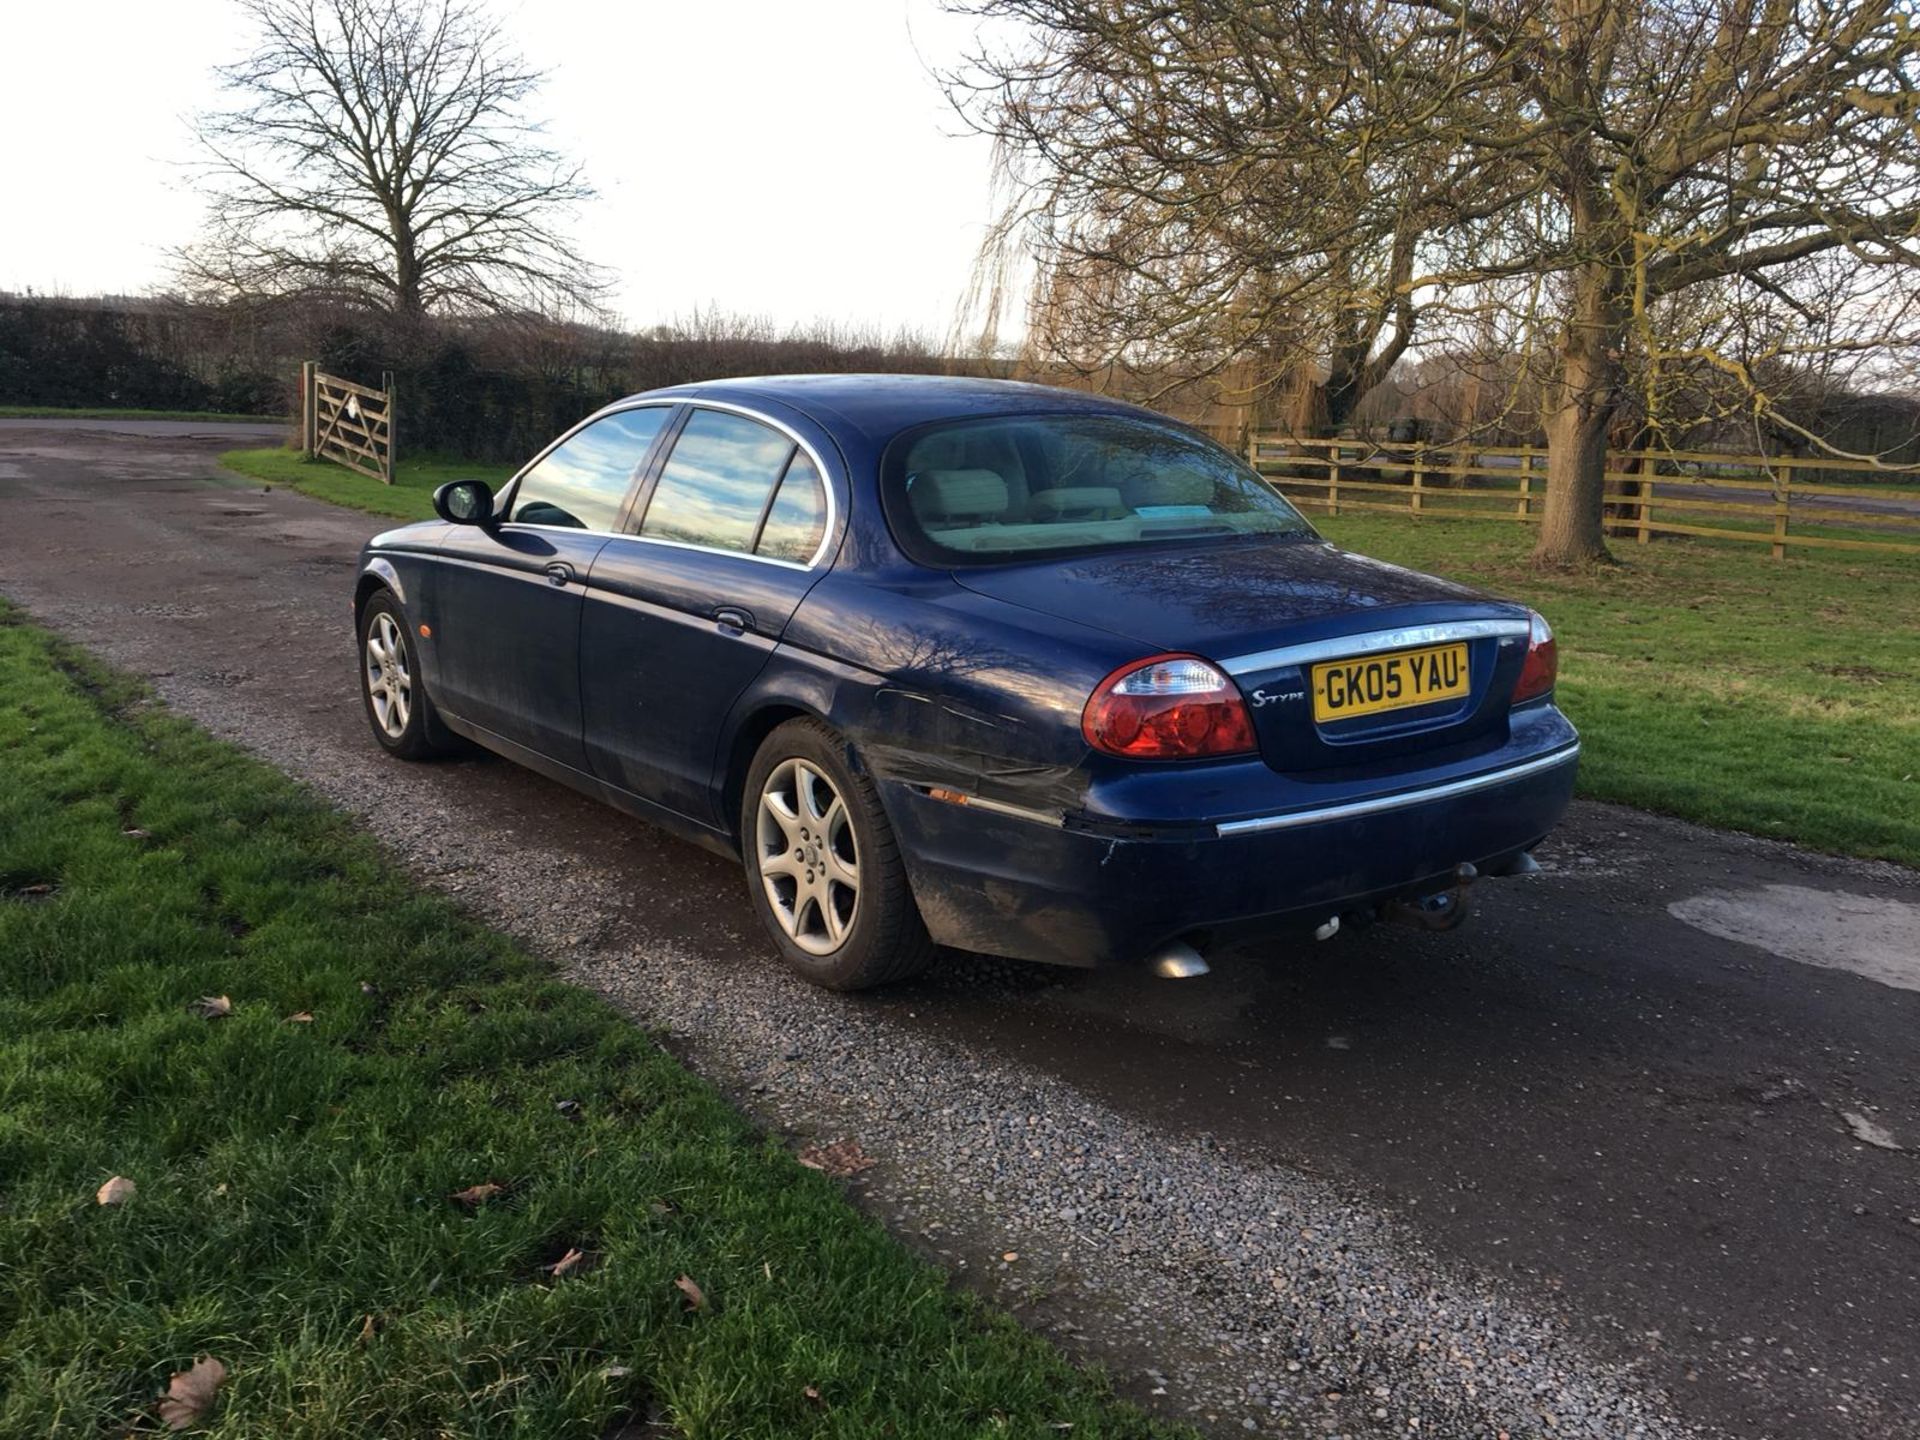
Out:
{"x": 1442, "y": 910}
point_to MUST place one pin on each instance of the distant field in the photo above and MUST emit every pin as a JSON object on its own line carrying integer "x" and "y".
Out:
{"x": 55, "y": 412}
{"x": 1710, "y": 682}
{"x": 410, "y": 497}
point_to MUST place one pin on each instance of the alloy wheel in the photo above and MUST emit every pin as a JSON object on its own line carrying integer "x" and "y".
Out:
{"x": 389, "y": 686}
{"x": 809, "y": 861}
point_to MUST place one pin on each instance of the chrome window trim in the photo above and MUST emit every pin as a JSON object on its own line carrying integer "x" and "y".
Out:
{"x": 1402, "y": 800}
{"x": 826, "y": 483}
{"x": 1372, "y": 642}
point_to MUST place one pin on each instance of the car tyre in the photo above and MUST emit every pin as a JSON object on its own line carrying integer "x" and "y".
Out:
{"x": 395, "y": 694}
{"x": 824, "y": 871}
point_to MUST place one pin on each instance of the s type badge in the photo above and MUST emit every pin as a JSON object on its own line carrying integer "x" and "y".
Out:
{"x": 1262, "y": 697}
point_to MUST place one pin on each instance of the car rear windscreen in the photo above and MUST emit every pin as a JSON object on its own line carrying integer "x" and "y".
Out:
{"x": 1010, "y": 486}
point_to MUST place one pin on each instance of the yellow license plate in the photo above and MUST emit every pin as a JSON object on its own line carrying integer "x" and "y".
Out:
{"x": 1344, "y": 689}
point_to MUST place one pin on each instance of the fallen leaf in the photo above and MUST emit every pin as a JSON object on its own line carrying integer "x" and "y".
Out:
{"x": 812, "y": 1393}
{"x": 695, "y": 1297}
{"x": 476, "y": 1195}
{"x": 1011, "y": 1256}
{"x": 134, "y": 832}
{"x": 368, "y": 1329}
{"x": 615, "y": 1372}
{"x": 661, "y": 1207}
{"x": 116, "y": 1191}
{"x": 212, "y": 1007}
{"x": 300, "y": 1017}
{"x": 566, "y": 1264}
{"x": 190, "y": 1394}
{"x": 1865, "y": 1130}
{"x": 840, "y": 1159}
{"x": 41, "y": 888}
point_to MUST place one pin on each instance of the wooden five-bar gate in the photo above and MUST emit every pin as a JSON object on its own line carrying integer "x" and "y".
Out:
{"x": 349, "y": 424}
{"x": 1776, "y": 500}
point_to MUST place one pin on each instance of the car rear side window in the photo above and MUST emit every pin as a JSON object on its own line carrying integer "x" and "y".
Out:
{"x": 797, "y": 519}
{"x": 582, "y": 482}
{"x": 715, "y": 485}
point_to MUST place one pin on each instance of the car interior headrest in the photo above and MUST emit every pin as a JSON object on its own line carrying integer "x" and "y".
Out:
{"x": 959, "y": 494}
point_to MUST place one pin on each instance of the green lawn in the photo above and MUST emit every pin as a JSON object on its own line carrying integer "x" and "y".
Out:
{"x": 410, "y": 497}
{"x": 1710, "y": 682}
{"x": 56, "y": 412}
{"x": 294, "y": 1160}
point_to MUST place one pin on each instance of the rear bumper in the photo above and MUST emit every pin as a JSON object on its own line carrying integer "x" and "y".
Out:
{"x": 1036, "y": 887}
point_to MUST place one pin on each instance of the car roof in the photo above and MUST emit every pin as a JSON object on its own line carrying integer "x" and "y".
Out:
{"x": 882, "y": 405}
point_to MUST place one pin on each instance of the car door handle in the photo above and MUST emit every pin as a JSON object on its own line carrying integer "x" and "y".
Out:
{"x": 732, "y": 617}
{"x": 559, "y": 573}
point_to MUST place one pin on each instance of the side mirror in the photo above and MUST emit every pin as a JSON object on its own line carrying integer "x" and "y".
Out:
{"x": 464, "y": 502}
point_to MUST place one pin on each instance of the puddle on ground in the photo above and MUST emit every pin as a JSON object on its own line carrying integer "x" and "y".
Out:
{"x": 1866, "y": 934}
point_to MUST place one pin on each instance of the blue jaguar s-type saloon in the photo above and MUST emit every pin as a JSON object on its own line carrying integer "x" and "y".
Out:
{"x": 971, "y": 663}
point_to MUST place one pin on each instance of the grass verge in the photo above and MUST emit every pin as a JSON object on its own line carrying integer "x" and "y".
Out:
{"x": 56, "y": 412}
{"x": 294, "y": 1159}
{"x": 410, "y": 497}
{"x": 1712, "y": 683}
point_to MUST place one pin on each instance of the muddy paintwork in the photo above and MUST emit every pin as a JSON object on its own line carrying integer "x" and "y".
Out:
{"x": 618, "y": 666}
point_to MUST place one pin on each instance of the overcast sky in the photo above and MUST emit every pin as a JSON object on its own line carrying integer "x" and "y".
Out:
{"x": 793, "y": 160}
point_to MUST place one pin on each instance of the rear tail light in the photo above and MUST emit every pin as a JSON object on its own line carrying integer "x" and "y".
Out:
{"x": 1543, "y": 662}
{"x": 1169, "y": 707}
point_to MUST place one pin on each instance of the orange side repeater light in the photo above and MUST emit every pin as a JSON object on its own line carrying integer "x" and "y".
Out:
{"x": 426, "y": 632}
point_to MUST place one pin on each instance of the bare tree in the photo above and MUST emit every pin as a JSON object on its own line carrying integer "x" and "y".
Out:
{"x": 1646, "y": 188}
{"x": 1199, "y": 187}
{"x": 379, "y": 154}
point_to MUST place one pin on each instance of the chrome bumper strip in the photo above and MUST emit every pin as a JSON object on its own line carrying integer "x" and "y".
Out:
{"x": 1372, "y": 642}
{"x": 1404, "y": 800}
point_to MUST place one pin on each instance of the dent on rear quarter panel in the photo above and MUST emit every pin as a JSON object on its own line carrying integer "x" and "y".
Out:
{"x": 931, "y": 698}
{"x": 936, "y": 685}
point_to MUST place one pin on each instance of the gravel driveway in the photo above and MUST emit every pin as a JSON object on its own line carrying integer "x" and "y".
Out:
{"x": 1584, "y": 1168}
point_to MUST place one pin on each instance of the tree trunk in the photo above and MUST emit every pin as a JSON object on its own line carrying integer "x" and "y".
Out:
{"x": 409, "y": 301}
{"x": 1308, "y": 415}
{"x": 1323, "y": 407}
{"x": 1573, "y": 529}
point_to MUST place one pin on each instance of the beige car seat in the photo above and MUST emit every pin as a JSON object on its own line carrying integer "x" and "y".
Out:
{"x": 975, "y": 447}
{"x": 950, "y": 499}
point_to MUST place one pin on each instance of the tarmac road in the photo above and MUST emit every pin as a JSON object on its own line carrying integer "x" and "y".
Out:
{"x": 1620, "y": 1095}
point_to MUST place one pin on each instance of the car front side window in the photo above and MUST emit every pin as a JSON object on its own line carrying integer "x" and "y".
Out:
{"x": 582, "y": 482}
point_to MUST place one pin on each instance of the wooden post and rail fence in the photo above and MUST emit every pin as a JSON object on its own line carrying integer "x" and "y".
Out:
{"x": 1775, "y": 500}
{"x": 350, "y": 424}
